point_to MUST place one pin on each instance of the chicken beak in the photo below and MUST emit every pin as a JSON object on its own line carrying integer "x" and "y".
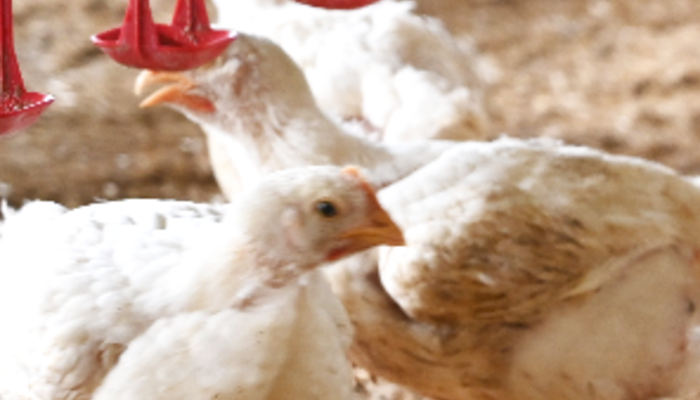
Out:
{"x": 380, "y": 230}
{"x": 377, "y": 229}
{"x": 178, "y": 92}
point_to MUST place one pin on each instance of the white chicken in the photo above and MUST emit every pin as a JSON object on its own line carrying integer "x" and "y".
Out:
{"x": 151, "y": 299}
{"x": 532, "y": 270}
{"x": 382, "y": 68}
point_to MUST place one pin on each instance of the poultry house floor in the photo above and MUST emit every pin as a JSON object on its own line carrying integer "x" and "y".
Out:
{"x": 621, "y": 75}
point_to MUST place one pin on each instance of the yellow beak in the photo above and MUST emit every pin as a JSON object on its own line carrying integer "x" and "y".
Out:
{"x": 178, "y": 92}
{"x": 377, "y": 229}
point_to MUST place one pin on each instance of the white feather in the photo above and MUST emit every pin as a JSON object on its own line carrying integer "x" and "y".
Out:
{"x": 153, "y": 299}
{"x": 400, "y": 72}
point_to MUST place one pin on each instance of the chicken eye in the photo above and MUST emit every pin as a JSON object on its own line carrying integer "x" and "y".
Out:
{"x": 327, "y": 209}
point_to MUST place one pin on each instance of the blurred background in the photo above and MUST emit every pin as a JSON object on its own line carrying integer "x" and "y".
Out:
{"x": 621, "y": 75}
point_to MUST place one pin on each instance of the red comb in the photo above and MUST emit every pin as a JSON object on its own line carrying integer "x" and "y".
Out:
{"x": 364, "y": 184}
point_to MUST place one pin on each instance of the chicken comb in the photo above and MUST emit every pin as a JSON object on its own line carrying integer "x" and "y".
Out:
{"x": 355, "y": 172}
{"x": 352, "y": 171}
